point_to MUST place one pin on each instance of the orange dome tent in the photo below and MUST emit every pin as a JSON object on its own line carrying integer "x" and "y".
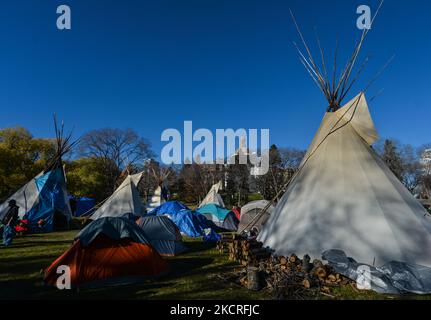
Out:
{"x": 109, "y": 250}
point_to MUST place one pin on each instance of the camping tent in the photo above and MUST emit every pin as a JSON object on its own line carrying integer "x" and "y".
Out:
{"x": 222, "y": 218}
{"x": 124, "y": 201}
{"x": 163, "y": 234}
{"x": 170, "y": 208}
{"x": 191, "y": 223}
{"x": 345, "y": 197}
{"x": 81, "y": 206}
{"x": 43, "y": 198}
{"x": 108, "y": 250}
{"x": 213, "y": 196}
{"x": 252, "y": 216}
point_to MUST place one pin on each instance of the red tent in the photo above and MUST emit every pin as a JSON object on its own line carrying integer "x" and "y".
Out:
{"x": 101, "y": 255}
{"x": 237, "y": 211}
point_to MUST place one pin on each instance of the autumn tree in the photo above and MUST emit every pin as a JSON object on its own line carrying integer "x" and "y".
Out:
{"x": 22, "y": 157}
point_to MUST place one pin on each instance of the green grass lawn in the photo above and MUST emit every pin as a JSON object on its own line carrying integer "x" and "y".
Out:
{"x": 193, "y": 275}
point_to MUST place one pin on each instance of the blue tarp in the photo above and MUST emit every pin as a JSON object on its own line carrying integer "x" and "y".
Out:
{"x": 84, "y": 206}
{"x": 170, "y": 207}
{"x": 190, "y": 223}
{"x": 211, "y": 236}
{"x": 51, "y": 199}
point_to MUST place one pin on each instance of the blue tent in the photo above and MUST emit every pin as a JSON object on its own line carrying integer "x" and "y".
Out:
{"x": 221, "y": 217}
{"x": 190, "y": 223}
{"x": 51, "y": 206}
{"x": 83, "y": 206}
{"x": 170, "y": 208}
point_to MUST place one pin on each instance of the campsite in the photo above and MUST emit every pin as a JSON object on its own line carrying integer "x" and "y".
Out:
{"x": 99, "y": 200}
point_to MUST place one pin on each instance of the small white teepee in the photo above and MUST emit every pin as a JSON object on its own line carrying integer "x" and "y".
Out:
{"x": 213, "y": 196}
{"x": 156, "y": 200}
{"x": 125, "y": 200}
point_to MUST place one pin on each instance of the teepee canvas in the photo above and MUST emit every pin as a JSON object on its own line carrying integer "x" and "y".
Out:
{"x": 43, "y": 198}
{"x": 156, "y": 199}
{"x": 25, "y": 198}
{"x": 213, "y": 197}
{"x": 124, "y": 201}
{"x": 43, "y": 201}
{"x": 345, "y": 197}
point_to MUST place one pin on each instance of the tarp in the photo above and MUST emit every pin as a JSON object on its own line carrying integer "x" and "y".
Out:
{"x": 392, "y": 278}
{"x": 190, "y": 223}
{"x": 345, "y": 197}
{"x": 41, "y": 199}
{"x": 163, "y": 234}
{"x": 83, "y": 206}
{"x": 170, "y": 207}
{"x": 25, "y": 198}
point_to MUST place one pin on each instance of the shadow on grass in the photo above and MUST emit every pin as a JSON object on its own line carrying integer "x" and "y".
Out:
{"x": 38, "y": 243}
{"x": 26, "y": 264}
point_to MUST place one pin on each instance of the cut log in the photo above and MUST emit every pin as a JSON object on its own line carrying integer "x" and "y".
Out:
{"x": 321, "y": 272}
{"x": 293, "y": 258}
{"x": 306, "y": 283}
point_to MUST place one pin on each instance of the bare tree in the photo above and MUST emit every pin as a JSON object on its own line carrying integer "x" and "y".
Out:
{"x": 424, "y": 154}
{"x": 283, "y": 163}
{"x": 291, "y": 158}
{"x": 117, "y": 148}
{"x": 196, "y": 179}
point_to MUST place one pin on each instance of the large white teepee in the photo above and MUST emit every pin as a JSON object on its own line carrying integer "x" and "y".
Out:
{"x": 213, "y": 196}
{"x": 345, "y": 197}
{"x": 125, "y": 200}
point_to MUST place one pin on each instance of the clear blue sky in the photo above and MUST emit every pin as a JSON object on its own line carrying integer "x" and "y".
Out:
{"x": 150, "y": 65}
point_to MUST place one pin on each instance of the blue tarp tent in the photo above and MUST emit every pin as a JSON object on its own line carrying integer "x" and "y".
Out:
{"x": 170, "y": 208}
{"x": 51, "y": 205}
{"x": 190, "y": 223}
{"x": 83, "y": 206}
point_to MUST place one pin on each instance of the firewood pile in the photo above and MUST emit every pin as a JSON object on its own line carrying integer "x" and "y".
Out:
{"x": 241, "y": 250}
{"x": 286, "y": 277}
